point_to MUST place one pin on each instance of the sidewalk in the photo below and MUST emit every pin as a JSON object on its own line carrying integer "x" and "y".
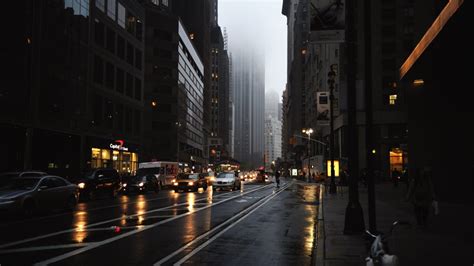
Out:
{"x": 448, "y": 240}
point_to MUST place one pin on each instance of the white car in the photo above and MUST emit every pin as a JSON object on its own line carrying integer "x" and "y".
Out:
{"x": 226, "y": 180}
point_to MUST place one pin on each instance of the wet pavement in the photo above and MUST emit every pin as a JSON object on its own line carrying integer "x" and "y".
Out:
{"x": 260, "y": 224}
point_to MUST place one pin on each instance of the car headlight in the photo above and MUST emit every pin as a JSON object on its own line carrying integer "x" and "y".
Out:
{"x": 175, "y": 183}
{"x": 125, "y": 184}
{"x": 213, "y": 178}
{"x": 141, "y": 184}
{"x": 191, "y": 183}
{"x": 81, "y": 185}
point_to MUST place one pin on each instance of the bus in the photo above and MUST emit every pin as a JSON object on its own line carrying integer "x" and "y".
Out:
{"x": 165, "y": 172}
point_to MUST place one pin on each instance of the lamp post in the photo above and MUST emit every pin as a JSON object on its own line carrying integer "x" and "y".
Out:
{"x": 308, "y": 132}
{"x": 331, "y": 81}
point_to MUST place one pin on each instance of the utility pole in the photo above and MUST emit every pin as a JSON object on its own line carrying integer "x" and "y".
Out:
{"x": 354, "y": 218}
{"x": 368, "y": 113}
{"x": 331, "y": 81}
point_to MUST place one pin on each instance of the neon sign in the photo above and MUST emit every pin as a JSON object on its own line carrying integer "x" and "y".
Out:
{"x": 118, "y": 145}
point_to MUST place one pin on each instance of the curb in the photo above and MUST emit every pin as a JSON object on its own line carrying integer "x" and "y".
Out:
{"x": 320, "y": 249}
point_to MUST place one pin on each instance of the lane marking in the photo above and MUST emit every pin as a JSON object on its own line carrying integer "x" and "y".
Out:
{"x": 40, "y": 248}
{"x": 165, "y": 259}
{"x": 139, "y": 230}
{"x": 104, "y": 222}
{"x": 205, "y": 244}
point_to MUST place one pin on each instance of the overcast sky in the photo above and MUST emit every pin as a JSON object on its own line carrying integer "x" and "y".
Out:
{"x": 258, "y": 23}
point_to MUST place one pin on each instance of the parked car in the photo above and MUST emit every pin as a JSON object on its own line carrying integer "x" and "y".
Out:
{"x": 5, "y": 178}
{"x": 188, "y": 182}
{"x": 141, "y": 184}
{"x": 226, "y": 180}
{"x": 40, "y": 193}
{"x": 99, "y": 181}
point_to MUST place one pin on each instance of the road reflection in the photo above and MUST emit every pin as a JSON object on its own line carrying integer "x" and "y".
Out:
{"x": 80, "y": 221}
{"x": 311, "y": 196}
{"x": 141, "y": 208}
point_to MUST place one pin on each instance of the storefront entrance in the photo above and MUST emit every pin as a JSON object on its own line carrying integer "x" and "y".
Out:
{"x": 113, "y": 154}
{"x": 398, "y": 160}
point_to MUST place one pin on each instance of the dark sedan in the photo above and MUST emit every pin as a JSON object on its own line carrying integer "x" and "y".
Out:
{"x": 30, "y": 194}
{"x": 141, "y": 184}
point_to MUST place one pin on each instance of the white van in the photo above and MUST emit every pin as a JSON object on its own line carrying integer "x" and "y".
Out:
{"x": 165, "y": 172}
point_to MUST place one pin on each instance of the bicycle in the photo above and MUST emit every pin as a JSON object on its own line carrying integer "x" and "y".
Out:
{"x": 379, "y": 253}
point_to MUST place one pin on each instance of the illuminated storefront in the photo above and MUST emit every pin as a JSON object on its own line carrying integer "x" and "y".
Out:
{"x": 115, "y": 155}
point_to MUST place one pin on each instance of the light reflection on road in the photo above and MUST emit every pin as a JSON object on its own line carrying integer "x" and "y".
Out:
{"x": 80, "y": 221}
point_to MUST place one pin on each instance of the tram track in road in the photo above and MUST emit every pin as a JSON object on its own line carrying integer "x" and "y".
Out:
{"x": 208, "y": 237}
{"x": 135, "y": 214}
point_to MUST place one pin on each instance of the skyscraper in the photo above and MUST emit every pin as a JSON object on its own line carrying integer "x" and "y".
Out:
{"x": 249, "y": 90}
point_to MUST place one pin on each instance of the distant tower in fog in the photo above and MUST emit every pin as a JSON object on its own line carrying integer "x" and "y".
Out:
{"x": 248, "y": 71}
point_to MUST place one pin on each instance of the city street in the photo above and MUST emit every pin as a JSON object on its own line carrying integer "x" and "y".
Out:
{"x": 260, "y": 224}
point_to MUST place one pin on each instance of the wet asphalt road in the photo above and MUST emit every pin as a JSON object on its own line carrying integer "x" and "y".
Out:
{"x": 258, "y": 225}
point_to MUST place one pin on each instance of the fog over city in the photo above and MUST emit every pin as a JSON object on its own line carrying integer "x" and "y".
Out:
{"x": 258, "y": 25}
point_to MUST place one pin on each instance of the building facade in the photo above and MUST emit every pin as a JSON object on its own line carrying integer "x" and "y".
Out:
{"x": 174, "y": 91}
{"x": 74, "y": 97}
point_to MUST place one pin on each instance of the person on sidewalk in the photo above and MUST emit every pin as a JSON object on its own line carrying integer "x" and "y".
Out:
{"x": 421, "y": 195}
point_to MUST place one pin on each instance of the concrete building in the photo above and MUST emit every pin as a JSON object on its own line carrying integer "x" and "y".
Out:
{"x": 72, "y": 94}
{"x": 272, "y": 141}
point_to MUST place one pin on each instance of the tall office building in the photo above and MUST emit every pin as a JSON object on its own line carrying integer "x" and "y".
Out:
{"x": 72, "y": 94}
{"x": 174, "y": 90}
{"x": 249, "y": 91}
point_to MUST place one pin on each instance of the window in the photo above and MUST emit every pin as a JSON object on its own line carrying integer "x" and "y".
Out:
{"x": 164, "y": 2}
{"x": 129, "y": 85}
{"x": 392, "y": 99}
{"x": 119, "y": 83}
{"x": 130, "y": 54}
{"x": 99, "y": 33}
{"x": 110, "y": 40}
{"x": 109, "y": 110}
{"x": 111, "y": 9}
{"x": 100, "y": 4}
{"x": 138, "y": 89}
{"x": 121, "y": 15}
{"x": 97, "y": 110}
{"x": 128, "y": 120}
{"x": 119, "y": 116}
{"x": 137, "y": 123}
{"x": 120, "y": 47}
{"x": 98, "y": 70}
{"x": 138, "y": 59}
{"x": 139, "y": 30}
{"x": 130, "y": 23}
{"x": 109, "y": 76}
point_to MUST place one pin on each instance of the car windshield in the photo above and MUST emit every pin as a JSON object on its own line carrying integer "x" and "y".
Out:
{"x": 187, "y": 176}
{"x": 137, "y": 179}
{"x": 225, "y": 175}
{"x": 23, "y": 183}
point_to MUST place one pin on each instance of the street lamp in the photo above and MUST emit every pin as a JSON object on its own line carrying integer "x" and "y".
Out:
{"x": 331, "y": 81}
{"x": 308, "y": 132}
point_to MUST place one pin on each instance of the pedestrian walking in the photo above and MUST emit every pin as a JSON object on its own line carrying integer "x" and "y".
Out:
{"x": 421, "y": 195}
{"x": 277, "y": 178}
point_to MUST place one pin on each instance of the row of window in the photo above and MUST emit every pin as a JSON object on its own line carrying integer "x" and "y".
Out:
{"x": 192, "y": 75}
{"x": 184, "y": 51}
{"x": 116, "y": 44}
{"x": 117, "y": 79}
{"x": 124, "y": 17}
{"x": 116, "y": 116}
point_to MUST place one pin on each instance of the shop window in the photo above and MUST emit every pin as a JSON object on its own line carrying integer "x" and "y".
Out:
{"x": 105, "y": 154}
